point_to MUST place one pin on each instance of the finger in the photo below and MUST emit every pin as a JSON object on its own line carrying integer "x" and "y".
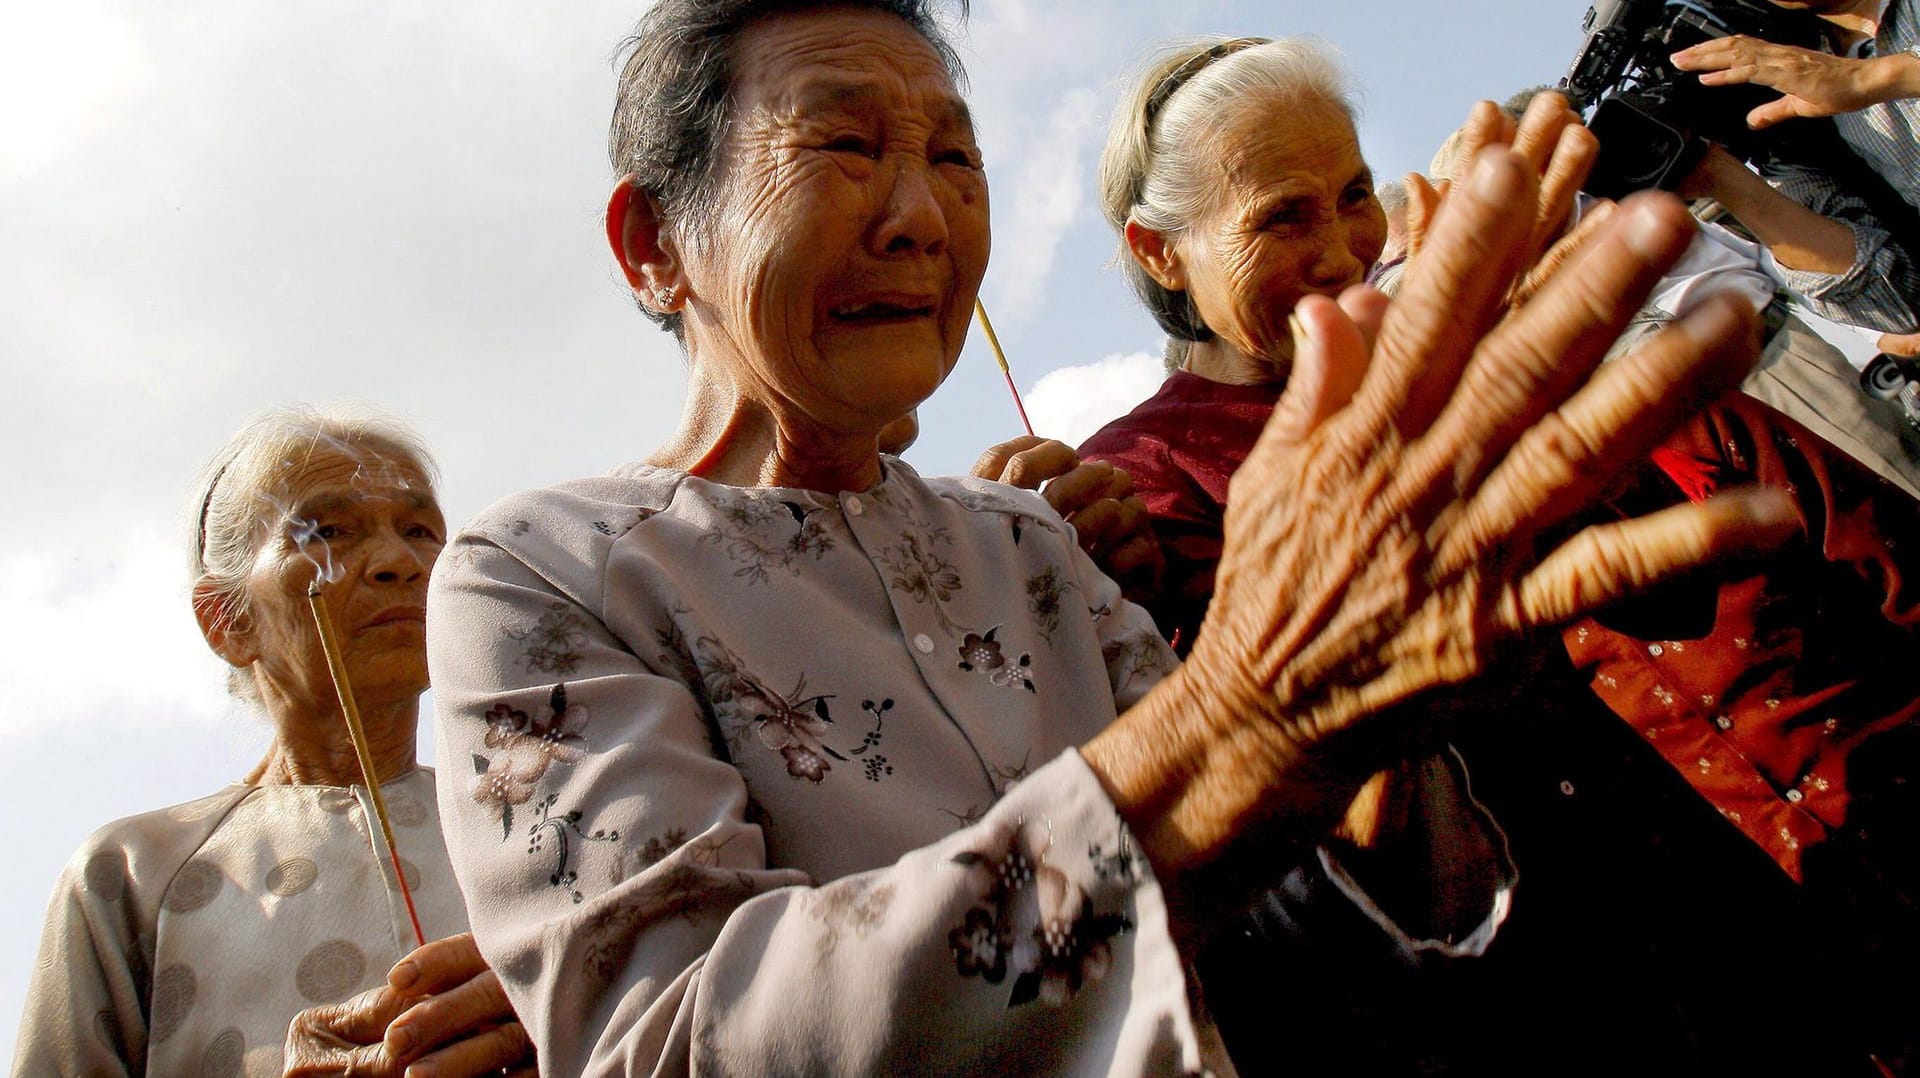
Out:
{"x": 1536, "y": 360}
{"x": 447, "y": 1016}
{"x": 1710, "y": 55}
{"x": 1563, "y": 252}
{"x": 1036, "y": 464}
{"x": 993, "y": 463}
{"x": 1773, "y": 112}
{"x": 1732, "y": 76}
{"x": 1098, "y": 526}
{"x": 1486, "y": 126}
{"x": 1564, "y": 461}
{"x": 1572, "y": 160}
{"x": 1423, "y": 203}
{"x": 1329, "y": 361}
{"x": 437, "y": 966}
{"x": 1087, "y": 483}
{"x": 1538, "y": 135}
{"x": 1453, "y": 294}
{"x": 1607, "y": 562}
{"x": 360, "y": 1020}
{"x": 1138, "y": 557}
{"x": 482, "y": 1054}
{"x": 1367, "y": 306}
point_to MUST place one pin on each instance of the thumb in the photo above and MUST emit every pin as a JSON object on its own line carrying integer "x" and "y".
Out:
{"x": 1329, "y": 361}
{"x": 1772, "y": 113}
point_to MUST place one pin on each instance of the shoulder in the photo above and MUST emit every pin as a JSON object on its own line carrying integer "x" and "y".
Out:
{"x": 144, "y": 852}
{"x": 613, "y": 502}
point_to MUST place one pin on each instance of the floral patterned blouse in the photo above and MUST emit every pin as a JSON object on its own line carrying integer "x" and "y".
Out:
{"x": 183, "y": 941}
{"x": 776, "y": 781}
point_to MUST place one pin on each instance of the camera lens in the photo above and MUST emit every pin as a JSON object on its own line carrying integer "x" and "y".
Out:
{"x": 1883, "y": 378}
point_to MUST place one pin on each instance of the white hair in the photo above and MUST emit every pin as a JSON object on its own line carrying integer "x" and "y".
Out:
{"x": 245, "y": 486}
{"x": 1157, "y": 167}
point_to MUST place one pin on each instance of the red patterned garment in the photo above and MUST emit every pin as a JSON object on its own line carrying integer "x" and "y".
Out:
{"x": 1789, "y": 698}
{"x": 1181, "y": 446}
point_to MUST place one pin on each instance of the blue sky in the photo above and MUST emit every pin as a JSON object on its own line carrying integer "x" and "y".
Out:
{"x": 210, "y": 208}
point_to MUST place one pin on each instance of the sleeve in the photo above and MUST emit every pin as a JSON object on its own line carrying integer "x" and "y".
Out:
{"x": 86, "y": 1012}
{"x": 1035, "y": 940}
{"x": 1878, "y": 290}
{"x": 1188, "y": 524}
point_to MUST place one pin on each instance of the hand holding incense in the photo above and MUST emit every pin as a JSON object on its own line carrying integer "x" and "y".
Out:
{"x": 993, "y": 341}
{"x": 337, "y": 666}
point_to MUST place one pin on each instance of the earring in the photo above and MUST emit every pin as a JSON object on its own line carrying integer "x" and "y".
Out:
{"x": 663, "y": 298}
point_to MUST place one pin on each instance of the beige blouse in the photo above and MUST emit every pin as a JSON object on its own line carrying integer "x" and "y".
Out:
{"x": 181, "y": 942}
{"x": 768, "y": 781}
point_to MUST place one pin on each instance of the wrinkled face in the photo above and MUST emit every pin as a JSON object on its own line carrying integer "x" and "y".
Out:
{"x": 1293, "y": 214}
{"x": 850, "y": 233}
{"x": 373, "y": 528}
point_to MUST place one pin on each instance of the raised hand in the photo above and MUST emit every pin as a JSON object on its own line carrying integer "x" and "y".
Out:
{"x": 1381, "y": 538}
{"x": 1113, "y": 525}
{"x": 1814, "y": 83}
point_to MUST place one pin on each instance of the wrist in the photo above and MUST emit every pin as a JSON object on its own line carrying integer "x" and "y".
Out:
{"x": 1899, "y": 75}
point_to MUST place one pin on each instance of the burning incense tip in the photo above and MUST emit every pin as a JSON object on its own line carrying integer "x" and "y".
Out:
{"x": 993, "y": 341}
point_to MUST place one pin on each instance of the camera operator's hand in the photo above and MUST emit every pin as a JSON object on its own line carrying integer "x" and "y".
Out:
{"x": 1815, "y": 83}
{"x": 1904, "y": 345}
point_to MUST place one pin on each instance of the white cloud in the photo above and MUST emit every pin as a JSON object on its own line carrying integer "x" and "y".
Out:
{"x": 110, "y": 634}
{"x": 1073, "y": 402}
{"x": 1050, "y": 184}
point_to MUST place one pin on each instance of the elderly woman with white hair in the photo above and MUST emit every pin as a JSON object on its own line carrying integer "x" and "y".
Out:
{"x": 207, "y": 937}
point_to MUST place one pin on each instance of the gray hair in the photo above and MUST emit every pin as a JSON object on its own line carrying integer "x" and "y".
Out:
{"x": 674, "y": 100}
{"x": 244, "y": 487}
{"x": 1392, "y": 196}
{"x": 1155, "y": 168}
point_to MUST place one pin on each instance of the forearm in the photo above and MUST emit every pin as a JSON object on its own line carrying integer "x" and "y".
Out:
{"x": 1799, "y": 238}
{"x": 1896, "y": 77}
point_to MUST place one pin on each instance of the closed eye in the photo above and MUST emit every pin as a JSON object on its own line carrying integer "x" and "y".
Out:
{"x": 859, "y": 144}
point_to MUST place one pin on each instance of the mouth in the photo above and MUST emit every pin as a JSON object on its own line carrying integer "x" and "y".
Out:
{"x": 399, "y": 615}
{"x": 888, "y": 310}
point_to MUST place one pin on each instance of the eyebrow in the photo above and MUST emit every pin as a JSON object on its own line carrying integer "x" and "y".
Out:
{"x": 334, "y": 503}
{"x": 848, "y": 96}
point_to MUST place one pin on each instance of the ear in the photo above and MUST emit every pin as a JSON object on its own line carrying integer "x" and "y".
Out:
{"x": 228, "y": 632}
{"x": 647, "y": 255}
{"x": 1156, "y": 254}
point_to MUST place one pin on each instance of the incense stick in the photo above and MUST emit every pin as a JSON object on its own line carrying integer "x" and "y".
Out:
{"x": 338, "y": 668}
{"x": 993, "y": 340}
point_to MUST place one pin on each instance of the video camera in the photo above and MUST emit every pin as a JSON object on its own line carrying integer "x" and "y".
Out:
{"x": 1653, "y": 120}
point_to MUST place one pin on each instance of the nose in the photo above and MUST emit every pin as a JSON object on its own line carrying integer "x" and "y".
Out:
{"x": 1337, "y": 264}
{"x": 912, "y": 221}
{"x": 393, "y": 560}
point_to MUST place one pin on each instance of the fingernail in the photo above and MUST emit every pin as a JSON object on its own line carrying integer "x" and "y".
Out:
{"x": 399, "y": 1040}
{"x": 1648, "y": 233}
{"x": 1711, "y": 322}
{"x": 1494, "y": 181}
{"x": 402, "y": 976}
{"x": 1772, "y": 505}
{"x": 1299, "y": 328}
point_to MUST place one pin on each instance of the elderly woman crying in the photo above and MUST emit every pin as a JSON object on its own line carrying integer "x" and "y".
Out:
{"x": 216, "y": 935}
{"x": 808, "y": 764}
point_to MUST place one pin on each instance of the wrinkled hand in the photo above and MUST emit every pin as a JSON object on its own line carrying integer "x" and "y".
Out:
{"x": 1815, "y": 83}
{"x": 1557, "y": 149}
{"x": 1381, "y": 537}
{"x": 442, "y": 1013}
{"x": 1095, "y": 497}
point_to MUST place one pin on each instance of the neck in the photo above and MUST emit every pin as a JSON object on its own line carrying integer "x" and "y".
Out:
{"x": 311, "y": 745}
{"x": 729, "y": 438}
{"x": 1218, "y": 361}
